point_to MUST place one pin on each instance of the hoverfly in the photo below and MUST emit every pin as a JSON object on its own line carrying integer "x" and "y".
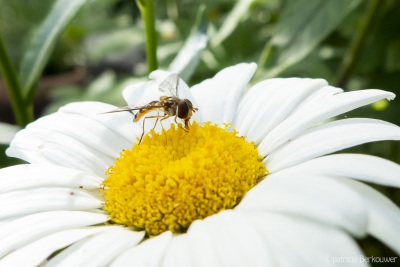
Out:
{"x": 170, "y": 104}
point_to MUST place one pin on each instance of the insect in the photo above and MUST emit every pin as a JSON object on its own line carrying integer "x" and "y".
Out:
{"x": 170, "y": 104}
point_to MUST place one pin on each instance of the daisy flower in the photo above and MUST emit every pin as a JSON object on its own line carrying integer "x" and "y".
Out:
{"x": 252, "y": 183}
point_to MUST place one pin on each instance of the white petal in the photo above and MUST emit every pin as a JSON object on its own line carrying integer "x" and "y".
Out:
{"x": 270, "y": 102}
{"x": 7, "y": 132}
{"x": 134, "y": 91}
{"x": 23, "y": 202}
{"x": 38, "y": 251}
{"x": 383, "y": 215}
{"x": 142, "y": 93}
{"x": 217, "y": 98}
{"x": 201, "y": 246}
{"x": 321, "y": 95}
{"x": 189, "y": 55}
{"x": 329, "y": 138}
{"x": 149, "y": 253}
{"x": 77, "y": 136}
{"x": 178, "y": 253}
{"x": 96, "y": 249}
{"x": 317, "y": 112}
{"x": 159, "y": 76}
{"x": 29, "y": 228}
{"x": 96, "y": 136}
{"x": 231, "y": 234}
{"x": 296, "y": 241}
{"x": 358, "y": 166}
{"x": 120, "y": 122}
{"x": 26, "y": 176}
{"x": 309, "y": 196}
{"x": 42, "y": 146}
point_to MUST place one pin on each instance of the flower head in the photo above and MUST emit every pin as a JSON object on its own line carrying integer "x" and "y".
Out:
{"x": 256, "y": 167}
{"x": 174, "y": 178}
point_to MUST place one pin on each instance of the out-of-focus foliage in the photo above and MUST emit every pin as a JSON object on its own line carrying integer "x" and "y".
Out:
{"x": 302, "y": 26}
{"x": 105, "y": 88}
{"x": 306, "y": 38}
{"x": 44, "y": 39}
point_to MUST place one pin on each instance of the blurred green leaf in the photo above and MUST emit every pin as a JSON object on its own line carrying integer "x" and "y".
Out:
{"x": 188, "y": 57}
{"x": 107, "y": 88}
{"x": 302, "y": 26}
{"x": 102, "y": 84}
{"x": 113, "y": 44}
{"x": 42, "y": 43}
{"x": 233, "y": 19}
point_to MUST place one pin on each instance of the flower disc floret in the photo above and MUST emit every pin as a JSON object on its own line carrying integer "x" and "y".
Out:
{"x": 175, "y": 177}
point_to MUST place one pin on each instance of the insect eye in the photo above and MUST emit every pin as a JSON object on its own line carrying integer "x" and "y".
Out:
{"x": 183, "y": 109}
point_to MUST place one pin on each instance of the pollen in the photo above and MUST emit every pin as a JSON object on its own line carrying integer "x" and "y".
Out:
{"x": 176, "y": 177}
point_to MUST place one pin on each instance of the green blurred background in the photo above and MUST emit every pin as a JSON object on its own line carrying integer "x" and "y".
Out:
{"x": 352, "y": 44}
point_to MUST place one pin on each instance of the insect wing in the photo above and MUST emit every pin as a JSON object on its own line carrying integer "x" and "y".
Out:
{"x": 127, "y": 108}
{"x": 170, "y": 85}
{"x": 151, "y": 105}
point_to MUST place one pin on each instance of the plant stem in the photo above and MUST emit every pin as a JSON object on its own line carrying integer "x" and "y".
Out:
{"x": 147, "y": 11}
{"x": 351, "y": 58}
{"x": 21, "y": 112}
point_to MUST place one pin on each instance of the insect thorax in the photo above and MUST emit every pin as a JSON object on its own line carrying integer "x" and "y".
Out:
{"x": 170, "y": 105}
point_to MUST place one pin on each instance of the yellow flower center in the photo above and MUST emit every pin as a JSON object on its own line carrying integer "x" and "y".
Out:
{"x": 176, "y": 177}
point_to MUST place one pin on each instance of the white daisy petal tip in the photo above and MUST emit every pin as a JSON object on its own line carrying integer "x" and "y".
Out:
{"x": 218, "y": 97}
{"x": 278, "y": 98}
{"x": 361, "y": 167}
{"x": 7, "y": 132}
{"x": 389, "y": 95}
{"x": 159, "y": 76}
{"x": 250, "y": 66}
{"x": 142, "y": 93}
{"x": 335, "y": 136}
{"x": 134, "y": 93}
{"x": 312, "y": 113}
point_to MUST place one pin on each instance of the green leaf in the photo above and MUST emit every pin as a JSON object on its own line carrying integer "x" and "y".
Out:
{"x": 235, "y": 16}
{"x": 302, "y": 26}
{"x": 42, "y": 42}
{"x": 22, "y": 114}
{"x": 188, "y": 58}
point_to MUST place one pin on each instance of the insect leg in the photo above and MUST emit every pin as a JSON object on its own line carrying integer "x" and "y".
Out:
{"x": 158, "y": 116}
{"x": 151, "y": 117}
{"x": 187, "y": 124}
{"x": 166, "y": 116}
{"x": 141, "y": 137}
{"x": 186, "y": 129}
